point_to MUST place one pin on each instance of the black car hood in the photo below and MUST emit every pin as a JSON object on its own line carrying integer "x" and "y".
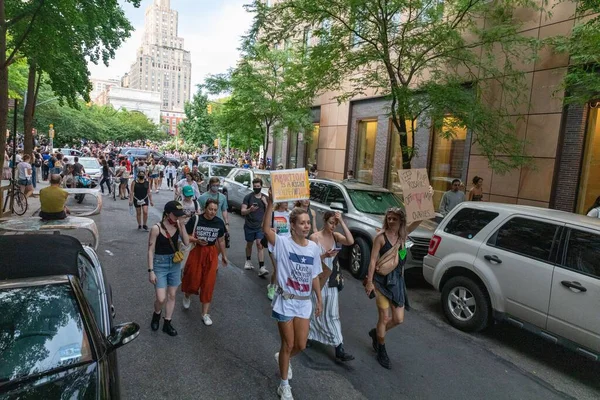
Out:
{"x": 75, "y": 383}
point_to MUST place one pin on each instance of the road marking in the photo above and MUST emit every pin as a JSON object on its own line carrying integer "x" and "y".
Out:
{"x": 110, "y": 253}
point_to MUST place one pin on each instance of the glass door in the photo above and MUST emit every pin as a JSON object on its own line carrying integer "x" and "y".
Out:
{"x": 365, "y": 156}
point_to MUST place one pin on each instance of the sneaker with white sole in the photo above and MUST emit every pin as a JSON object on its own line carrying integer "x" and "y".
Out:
{"x": 289, "y": 366}
{"x": 285, "y": 392}
{"x": 186, "y": 302}
{"x": 263, "y": 271}
{"x": 206, "y": 319}
{"x": 248, "y": 265}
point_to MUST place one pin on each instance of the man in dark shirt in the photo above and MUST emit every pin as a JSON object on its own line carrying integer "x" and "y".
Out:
{"x": 78, "y": 169}
{"x": 253, "y": 208}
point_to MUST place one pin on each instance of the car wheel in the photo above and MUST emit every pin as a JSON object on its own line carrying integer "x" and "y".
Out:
{"x": 465, "y": 304}
{"x": 359, "y": 258}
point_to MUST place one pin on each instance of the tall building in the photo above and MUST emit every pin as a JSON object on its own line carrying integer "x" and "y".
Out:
{"x": 162, "y": 64}
{"x": 100, "y": 85}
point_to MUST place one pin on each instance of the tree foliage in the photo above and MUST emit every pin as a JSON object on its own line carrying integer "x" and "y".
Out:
{"x": 430, "y": 58}
{"x": 197, "y": 128}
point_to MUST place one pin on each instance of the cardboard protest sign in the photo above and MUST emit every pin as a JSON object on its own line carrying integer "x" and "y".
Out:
{"x": 418, "y": 201}
{"x": 290, "y": 185}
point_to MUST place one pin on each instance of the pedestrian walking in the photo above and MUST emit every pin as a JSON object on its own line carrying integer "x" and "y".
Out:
{"x": 452, "y": 198}
{"x": 171, "y": 173}
{"x": 305, "y": 205}
{"x": 164, "y": 263}
{"x": 200, "y": 273}
{"x": 123, "y": 175}
{"x": 253, "y": 209}
{"x": 328, "y": 329}
{"x": 476, "y": 192}
{"x": 386, "y": 278}
{"x": 161, "y": 175}
{"x": 594, "y": 210}
{"x": 106, "y": 174}
{"x": 188, "y": 181}
{"x": 153, "y": 174}
{"x": 24, "y": 175}
{"x": 190, "y": 205}
{"x": 213, "y": 193}
{"x": 298, "y": 269}
{"x": 280, "y": 224}
{"x": 141, "y": 196}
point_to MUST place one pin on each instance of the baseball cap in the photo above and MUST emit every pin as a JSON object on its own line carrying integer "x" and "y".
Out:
{"x": 174, "y": 207}
{"x": 188, "y": 191}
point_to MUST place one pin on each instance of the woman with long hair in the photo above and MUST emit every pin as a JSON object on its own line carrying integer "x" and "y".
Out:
{"x": 123, "y": 175}
{"x": 141, "y": 196}
{"x": 594, "y": 210}
{"x": 164, "y": 272}
{"x": 390, "y": 289}
{"x": 305, "y": 205}
{"x": 298, "y": 268}
{"x": 476, "y": 192}
{"x": 328, "y": 329}
{"x": 152, "y": 173}
{"x": 200, "y": 273}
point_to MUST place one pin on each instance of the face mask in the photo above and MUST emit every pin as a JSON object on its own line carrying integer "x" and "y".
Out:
{"x": 141, "y": 177}
{"x": 257, "y": 190}
{"x": 214, "y": 188}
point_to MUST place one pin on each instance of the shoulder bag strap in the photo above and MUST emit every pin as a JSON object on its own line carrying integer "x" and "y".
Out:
{"x": 168, "y": 236}
{"x": 195, "y": 225}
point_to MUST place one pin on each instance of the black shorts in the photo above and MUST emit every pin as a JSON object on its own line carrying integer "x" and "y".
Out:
{"x": 146, "y": 203}
{"x": 161, "y": 174}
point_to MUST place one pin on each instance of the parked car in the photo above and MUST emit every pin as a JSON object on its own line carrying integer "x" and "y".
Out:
{"x": 145, "y": 153}
{"x": 57, "y": 336}
{"x": 536, "y": 268}
{"x": 210, "y": 169}
{"x": 238, "y": 184}
{"x": 92, "y": 168}
{"x": 207, "y": 158}
{"x": 364, "y": 207}
{"x": 68, "y": 152}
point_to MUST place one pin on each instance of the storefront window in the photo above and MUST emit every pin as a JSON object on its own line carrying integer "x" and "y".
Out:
{"x": 589, "y": 187}
{"x": 312, "y": 147}
{"x": 447, "y": 159}
{"x": 393, "y": 183}
{"x": 367, "y": 135}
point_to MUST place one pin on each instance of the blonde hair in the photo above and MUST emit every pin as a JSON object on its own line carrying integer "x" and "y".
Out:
{"x": 402, "y": 231}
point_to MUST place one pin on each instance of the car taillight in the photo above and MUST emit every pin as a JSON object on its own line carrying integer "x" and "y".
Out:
{"x": 434, "y": 243}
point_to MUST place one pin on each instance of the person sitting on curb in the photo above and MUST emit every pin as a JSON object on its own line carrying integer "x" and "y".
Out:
{"x": 53, "y": 199}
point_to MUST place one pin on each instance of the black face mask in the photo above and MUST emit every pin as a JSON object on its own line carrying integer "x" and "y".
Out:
{"x": 257, "y": 190}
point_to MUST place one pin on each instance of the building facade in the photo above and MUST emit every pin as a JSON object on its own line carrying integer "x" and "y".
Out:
{"x": 563, "y": 143}
{"x": 144, "y": 101}
{"x": 100, "y": 85}
{"x": 171, "y": 121}
{"x": 162, "y": 64}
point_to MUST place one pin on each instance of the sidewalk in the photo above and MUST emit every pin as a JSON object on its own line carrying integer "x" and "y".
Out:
{"x": 33, "y": 202}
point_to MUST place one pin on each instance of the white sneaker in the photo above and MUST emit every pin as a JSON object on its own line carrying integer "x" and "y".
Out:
{"x": 289, "y": 367}
{"x": 206, "y": 319}
{"x": 248, "y": 265}
{"x": 186, "y": 302}
{"x": 285, "y": 392}
{"x": 263, "y": 271}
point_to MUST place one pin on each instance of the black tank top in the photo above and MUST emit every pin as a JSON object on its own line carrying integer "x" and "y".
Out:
{"x": 162, "y": 246}
{"x": 476, "y": 197}
{"x": 386, "y": 246}
{"x": 140, "y": 190}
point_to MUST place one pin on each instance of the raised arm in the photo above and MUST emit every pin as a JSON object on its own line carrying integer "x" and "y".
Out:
{"x": 345, "y": 239}
{"x": 266, "y": 226}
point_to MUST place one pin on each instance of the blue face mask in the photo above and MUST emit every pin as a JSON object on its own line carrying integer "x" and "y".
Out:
{"x": 214, "y": 188}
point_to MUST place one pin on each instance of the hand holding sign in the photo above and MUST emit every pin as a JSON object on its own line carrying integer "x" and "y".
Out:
{"x": 290, "y": 185}
{"x": 418, "y": 194}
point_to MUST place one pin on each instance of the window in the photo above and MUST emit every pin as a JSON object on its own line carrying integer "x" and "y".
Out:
{"x": 318, "y": 191}
{"x": 589, "y": 186}
{"x": 373, "y": 202}
{"x": 367, "y": 135}
{"x": 468, "y": 222}
{"x": 336, "y": 195}
{"x": 583, "y": 252}
{"x": 266, "y": 179}
{"x": 243, "y": 177}
{"x": 527, "y": 237}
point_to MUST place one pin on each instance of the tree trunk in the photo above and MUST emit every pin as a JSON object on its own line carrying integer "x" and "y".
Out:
{"x": 3, "y": 84}
{"x": 400, "y": 124}
{"x": 29, "y": 109}
{"x": 266, "y": 145}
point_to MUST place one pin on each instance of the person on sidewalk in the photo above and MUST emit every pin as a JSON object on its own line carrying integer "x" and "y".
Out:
{"x": 390, "y": 289}
{"x": 164, "y": 263}
{"x": 53, "y": 199}
{"x": 253, "y": 208}
{"x": 328, "y": 329}
{"x": 281, "y": 226}
{"x": 452, "y": 198}
{"x": 200, "y": 273}
{"x": 171, "y": 173}
{"x": 298, "y": 269}
{"x": 141, "y": 196}
{"x": 24, "y": 175}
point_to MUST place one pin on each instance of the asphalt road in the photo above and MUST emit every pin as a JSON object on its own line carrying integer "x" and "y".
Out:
{"x": 233, "y": 359}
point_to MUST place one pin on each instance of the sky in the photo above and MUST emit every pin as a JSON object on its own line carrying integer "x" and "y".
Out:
{"x": 211, "y": 30}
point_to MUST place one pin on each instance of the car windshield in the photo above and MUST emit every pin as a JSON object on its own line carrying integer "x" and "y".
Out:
{"x": 41, "y": 329}
{"x": 220, "y": 170}
{"x": 90, "y": 164}
{"x": 373, "y": 202}
{"x": 266, "y": 178}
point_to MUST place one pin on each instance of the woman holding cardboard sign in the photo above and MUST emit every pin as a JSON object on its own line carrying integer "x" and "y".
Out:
{"x": 385, "y": 279}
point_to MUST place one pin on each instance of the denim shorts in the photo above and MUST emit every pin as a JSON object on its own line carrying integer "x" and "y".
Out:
{"x": 280, "y": 318}
{"x": 167, "y": 272}
{"x": 25, "y": 182}
{"x": 253, "y": 234}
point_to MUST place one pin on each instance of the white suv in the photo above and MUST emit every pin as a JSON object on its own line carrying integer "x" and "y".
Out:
{"x": 536, "y": 268}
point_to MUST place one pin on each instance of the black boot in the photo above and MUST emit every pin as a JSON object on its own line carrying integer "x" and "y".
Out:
{"x": 155, "y": 321}
{"x": 168, "y": 328}
{"x": 382, "y": 357}
{"x": 373, "y": 334}
{"x": 341, "y": 355}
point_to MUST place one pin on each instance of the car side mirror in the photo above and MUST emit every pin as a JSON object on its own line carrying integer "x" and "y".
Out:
{"x": 336, "y": 206}
{"x": 122, "y": 334}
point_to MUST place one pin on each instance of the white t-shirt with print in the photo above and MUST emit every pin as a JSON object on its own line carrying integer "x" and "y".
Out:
{"x": 297, "y": 266}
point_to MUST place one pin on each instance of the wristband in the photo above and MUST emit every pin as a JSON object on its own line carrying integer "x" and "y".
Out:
{"x": 150, "y": 270}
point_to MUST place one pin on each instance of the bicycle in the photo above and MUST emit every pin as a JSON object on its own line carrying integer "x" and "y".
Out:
{"x": 20, "y": 201}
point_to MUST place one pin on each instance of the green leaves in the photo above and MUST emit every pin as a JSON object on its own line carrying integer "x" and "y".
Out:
{"x": 197, "y": 128}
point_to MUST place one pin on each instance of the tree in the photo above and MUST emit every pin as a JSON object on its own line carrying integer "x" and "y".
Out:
{"x": 423, "y": 55}
{"x": 269, "y": 94}
{"x": 582, "y": 81}
{"x": 197, "y": 128}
